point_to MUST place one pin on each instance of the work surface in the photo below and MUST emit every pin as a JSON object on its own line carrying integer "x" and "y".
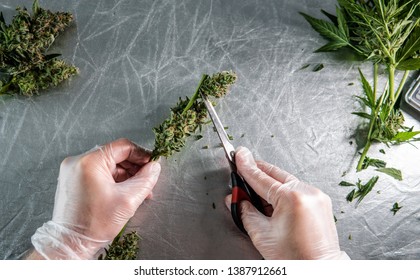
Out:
{"x": 136, "y": 58}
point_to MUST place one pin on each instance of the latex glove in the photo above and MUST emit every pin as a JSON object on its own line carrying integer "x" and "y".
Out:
{"x": 301, "y": 225}
{"x": 97, "y": 193}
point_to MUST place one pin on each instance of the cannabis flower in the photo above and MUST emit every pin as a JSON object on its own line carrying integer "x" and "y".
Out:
{"x": 188, "y": 115}
{"x": 25, "y": 68}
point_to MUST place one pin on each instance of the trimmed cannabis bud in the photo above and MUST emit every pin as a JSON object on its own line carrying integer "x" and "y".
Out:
{"x": 188, "y": 115}
{"x": 125, "y": 248}
{"x": 24, "y": 66}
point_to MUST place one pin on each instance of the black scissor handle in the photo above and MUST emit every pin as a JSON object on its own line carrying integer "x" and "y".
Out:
{"x": 242, "y": 191}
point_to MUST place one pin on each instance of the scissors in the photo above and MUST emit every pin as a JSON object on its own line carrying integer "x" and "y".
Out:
{"x": 240, "y": 188}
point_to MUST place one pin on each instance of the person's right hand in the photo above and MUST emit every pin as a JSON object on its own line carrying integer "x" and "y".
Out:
{"x": 302, "y": 223}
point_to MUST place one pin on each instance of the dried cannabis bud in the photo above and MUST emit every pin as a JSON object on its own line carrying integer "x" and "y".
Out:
{"x": 188, "y": 115}
{"x": 122, "y": 247}
{"x": 25, "y": 68}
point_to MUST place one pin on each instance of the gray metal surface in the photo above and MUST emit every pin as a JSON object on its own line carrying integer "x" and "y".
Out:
{"x": 137, "y": 57}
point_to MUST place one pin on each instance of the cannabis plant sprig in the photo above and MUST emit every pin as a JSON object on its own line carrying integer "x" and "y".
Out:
{"x": 386, "y": 32}
{"x": 188, "y": 115}
{"x": 25, "y": 68}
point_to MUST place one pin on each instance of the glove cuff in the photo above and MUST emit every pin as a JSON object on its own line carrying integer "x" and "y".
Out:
{"x": 56, "y": 242}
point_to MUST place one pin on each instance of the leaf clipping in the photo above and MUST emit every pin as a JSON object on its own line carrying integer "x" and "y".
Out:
{"x": 362, "y": 190}
{"x": 395, "y": 208}
{"x": 346, "y": 184}
{"x": 373, "y": 162}
{"x": 393, "y": 172}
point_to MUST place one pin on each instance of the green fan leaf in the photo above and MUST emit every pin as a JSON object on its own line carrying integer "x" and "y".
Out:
{"x": 327, "y": 30}
{"x": 346, "y": 184}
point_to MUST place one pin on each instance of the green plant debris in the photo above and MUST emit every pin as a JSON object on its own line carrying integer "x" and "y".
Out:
{"x": 198, "y": 137}
{"x": 189, "y": 115}
{"x": 373, "y": 162}
{"x": 318, "y": 67}
{"x": 395, "y": 208}
{"x": 243, "y": 135}
{"x": 346, "y": 184}
{"x": 205, "y": 147}
{"x": 394, "y": 173}
{"x": 362, "y": 190}
{"x": 382, "y": 151}
{"x": 230, "y": 137}
{"x": 25, "y": 66}
{"x": 350, "y": 237}
{"x": 350, "y": 84}
{"x": 304, "y": 66}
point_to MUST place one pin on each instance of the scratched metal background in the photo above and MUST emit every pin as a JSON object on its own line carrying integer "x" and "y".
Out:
{"x": 137, "y": 57}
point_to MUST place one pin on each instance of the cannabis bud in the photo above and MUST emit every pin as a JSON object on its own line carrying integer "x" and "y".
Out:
{"x": 188, "y": 115}
{"x": 122, "y": 248}
{"x": 25, "y": 68}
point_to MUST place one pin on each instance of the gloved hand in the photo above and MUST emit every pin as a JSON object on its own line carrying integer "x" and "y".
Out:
{"x": 301, "y": 225}
{"x": 97, "y": 193}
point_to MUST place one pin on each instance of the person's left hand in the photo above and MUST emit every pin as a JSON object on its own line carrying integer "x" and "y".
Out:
{"x": 97, "y": 193}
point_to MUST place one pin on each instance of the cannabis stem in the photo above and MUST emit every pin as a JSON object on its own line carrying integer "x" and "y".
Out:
{"x": 195, "y": 96}
{"x": 391, "y": 69}
{"x": 400, "y": 87}
{"x": 364, "y": 153}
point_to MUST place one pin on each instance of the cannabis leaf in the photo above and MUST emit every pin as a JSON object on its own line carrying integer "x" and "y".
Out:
{"x": 362, "y": 190}
{"x": 404, "y": 136}
{"x": 393, "y": 172}
{"x": 373, "y": 162}
{"x": 346, "y": 184}
{"x": 337, "y": 35}
{"x": 410, "y": 47}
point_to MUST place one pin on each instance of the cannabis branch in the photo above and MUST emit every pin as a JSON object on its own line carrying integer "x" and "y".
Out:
{"x": 386, "y": 32}
{"x": 186, "y": 117}
{"x": 25, "y": 68}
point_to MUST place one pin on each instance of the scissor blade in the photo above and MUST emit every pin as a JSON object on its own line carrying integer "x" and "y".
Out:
{"x": 227, "y": 146}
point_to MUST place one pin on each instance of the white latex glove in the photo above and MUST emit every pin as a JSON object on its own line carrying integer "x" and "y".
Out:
{"x": 301, "y": 225}
{"x": 97, "y": 193}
